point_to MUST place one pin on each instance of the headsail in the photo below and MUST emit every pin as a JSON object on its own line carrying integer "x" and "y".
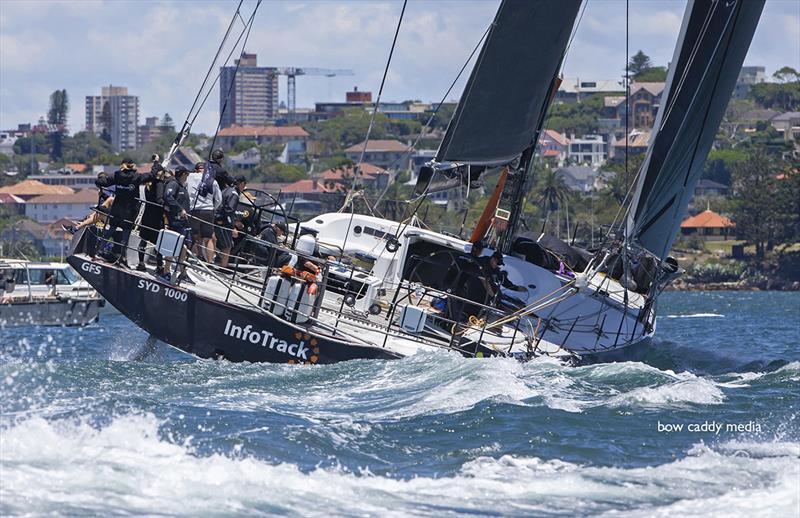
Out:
{"x": 714, "y": 39}
{"x": 508, "y": 91}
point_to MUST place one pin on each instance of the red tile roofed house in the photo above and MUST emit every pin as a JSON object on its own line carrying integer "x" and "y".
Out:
{"x": 389, "y": 154}
{"x": 554, "y": 146}
{"x": 11, "y": 205}
{"x": 49, "y": 240}
{"x": 28, "y": 189}
{"x": 644, "y": 101}
{"x": 229, "y": 136}
{"x": 52, "y": 207}
{"x": 371, "y": 176}
{"x": 708, "y": 224}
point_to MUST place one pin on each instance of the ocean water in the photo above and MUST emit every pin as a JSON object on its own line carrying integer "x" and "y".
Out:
{"x": 702, "y": 422}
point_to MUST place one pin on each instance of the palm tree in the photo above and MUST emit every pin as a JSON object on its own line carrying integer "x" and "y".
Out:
{"x": 551, "y": 192}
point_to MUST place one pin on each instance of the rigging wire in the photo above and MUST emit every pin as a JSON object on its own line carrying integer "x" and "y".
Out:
{"x": 372, "y": 121}
{"x": 248, "y": 26}
{"x": 436, "y": 110}
{"x": 187, "y": 124}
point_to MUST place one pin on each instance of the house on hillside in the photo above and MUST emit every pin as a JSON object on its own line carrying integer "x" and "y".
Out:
{"x": 708, "y": 225}
{"x": 589, "y": 150}
{"x": 554, "y": 146}
{"x": 579, "y": 178}
{"x": 263, "y": 135}
{"x": 707, "y": 187}
{"x": 371, "y": 176}
{"x": 388, "y": 154}
{"x": 51, "y": 207}
{"x": 247, "y": 159}
{"x": 643, "y": 102}
{"x": 788, "y": 125}
{"x": 49, "y": 240}
{"x": 28, "y": 189}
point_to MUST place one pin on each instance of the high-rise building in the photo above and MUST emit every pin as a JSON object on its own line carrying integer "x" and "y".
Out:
{"x": 252, "y": 97}
{"x": 748, "y": 76}
{"x": 124, "y": 114}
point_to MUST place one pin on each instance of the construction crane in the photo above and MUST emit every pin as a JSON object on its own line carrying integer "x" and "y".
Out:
{"x": 291, "y": 74}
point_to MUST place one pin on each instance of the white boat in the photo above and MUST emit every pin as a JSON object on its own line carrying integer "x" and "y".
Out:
{"x": 45, "y": 293}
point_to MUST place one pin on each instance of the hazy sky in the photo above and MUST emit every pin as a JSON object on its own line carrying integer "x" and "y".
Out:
{"x": 161, "y": 50}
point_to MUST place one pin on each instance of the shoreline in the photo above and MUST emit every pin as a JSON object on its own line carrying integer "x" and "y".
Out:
{"x": 742, "y": 285}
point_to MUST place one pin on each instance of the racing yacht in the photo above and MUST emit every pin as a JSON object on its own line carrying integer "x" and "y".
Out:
{"x": 360, "y": 286}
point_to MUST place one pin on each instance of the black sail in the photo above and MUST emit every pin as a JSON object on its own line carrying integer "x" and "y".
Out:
{"x": 713, "y": 42}
{"x": 508, "y": 91}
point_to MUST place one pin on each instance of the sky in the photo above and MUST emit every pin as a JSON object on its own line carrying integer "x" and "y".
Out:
{"x": 161, "y": 50}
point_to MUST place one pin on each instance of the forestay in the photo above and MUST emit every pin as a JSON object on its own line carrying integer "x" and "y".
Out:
{"x": 714, "y": 39}
{"x": 508, "y": 91}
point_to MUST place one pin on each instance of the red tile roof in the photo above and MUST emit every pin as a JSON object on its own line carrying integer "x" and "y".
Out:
{"x": 338, "y": 173}
{"x": 707, "y": 219}
{"x": 35, "y": 188}
{"x": 78, "y": 168}
{"x": 263, "y": 131}
{"x": 87, "y": 196}
{"x": 555, "y": 136}
{"x": 551, "y": 153}
{"x": 379, "y": 146}
{"x": 311, "y": 186}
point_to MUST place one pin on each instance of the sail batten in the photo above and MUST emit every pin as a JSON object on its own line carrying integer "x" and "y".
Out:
{"x": 508, "y": 90}
{"x": 714, "y": 39}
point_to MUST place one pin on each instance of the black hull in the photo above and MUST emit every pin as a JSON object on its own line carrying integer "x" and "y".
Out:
{"x": 209, "y": 328}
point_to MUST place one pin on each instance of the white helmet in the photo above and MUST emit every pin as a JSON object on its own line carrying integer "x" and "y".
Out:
{"x": 306, "y": 244}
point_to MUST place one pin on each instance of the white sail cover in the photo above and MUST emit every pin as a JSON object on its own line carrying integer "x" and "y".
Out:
{"x": 712, "y": 45}
{"x": 508, "y": 91}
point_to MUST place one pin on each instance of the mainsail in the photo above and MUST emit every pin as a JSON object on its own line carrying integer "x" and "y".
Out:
{"x": 503, "y": 103}
{"x": 714, "y": 39}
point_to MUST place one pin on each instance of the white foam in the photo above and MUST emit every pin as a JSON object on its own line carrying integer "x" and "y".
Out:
{"x": 688, "y": 390}
{"x": 126, "y": 467}
{"x": 696, "y": 315}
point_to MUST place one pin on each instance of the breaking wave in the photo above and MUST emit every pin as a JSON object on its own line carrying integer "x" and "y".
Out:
{"x": 131, "y": 466}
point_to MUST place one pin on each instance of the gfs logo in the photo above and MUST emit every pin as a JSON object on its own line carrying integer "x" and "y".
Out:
{"x": 91, "y": 268}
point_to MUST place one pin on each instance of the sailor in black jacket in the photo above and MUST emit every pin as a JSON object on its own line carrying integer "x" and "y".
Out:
{"x": 226, "y": 217}
{"x": 176, "y": 206}
{"x": 126, "y": 182}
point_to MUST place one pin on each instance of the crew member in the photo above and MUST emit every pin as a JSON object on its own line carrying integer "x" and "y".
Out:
{"x": 269, "y": 255}
{"x": 495, "y": 276}
{"x": 176, "y": 203}
{"x": 222, "y": 176}
{"x": 202, "y": 213}
{"x": 153, "y": 216}
{"x": 126, "y": 183}
{"x": 225, "y": 220}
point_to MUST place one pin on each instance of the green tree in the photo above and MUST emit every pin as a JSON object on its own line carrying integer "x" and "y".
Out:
{"x": 85, "y": 147}
{"x": 786, "y": 75}
{"x": 755, "y": 210}
{"x": 59, "y": 108}
{"x": 652, "y": 75}
{"x": 778, "y": 96}
{"x": 639, "y": 63}
{"x": 167, "y": 122}
{"x": 551, "y": 192}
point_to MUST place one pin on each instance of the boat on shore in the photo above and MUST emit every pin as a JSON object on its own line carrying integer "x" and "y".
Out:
{"x": 46, "y": 294}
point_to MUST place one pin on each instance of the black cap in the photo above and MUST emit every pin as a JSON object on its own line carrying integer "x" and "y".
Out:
{"x": 282, "y": 226}
{"x": 180, "y": 170}
{"x": 498, "y": 256}
{"x": 217, "y": 155}
{"x": 239, "y": 179}
{"x": 198, "y": 165}
{"x": 127, "y": 161}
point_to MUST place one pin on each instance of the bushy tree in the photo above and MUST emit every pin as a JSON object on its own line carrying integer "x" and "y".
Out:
{"x": 755, "y": 210}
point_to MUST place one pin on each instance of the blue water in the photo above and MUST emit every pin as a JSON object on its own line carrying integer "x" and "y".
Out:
{"x": 86, "y": 431}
